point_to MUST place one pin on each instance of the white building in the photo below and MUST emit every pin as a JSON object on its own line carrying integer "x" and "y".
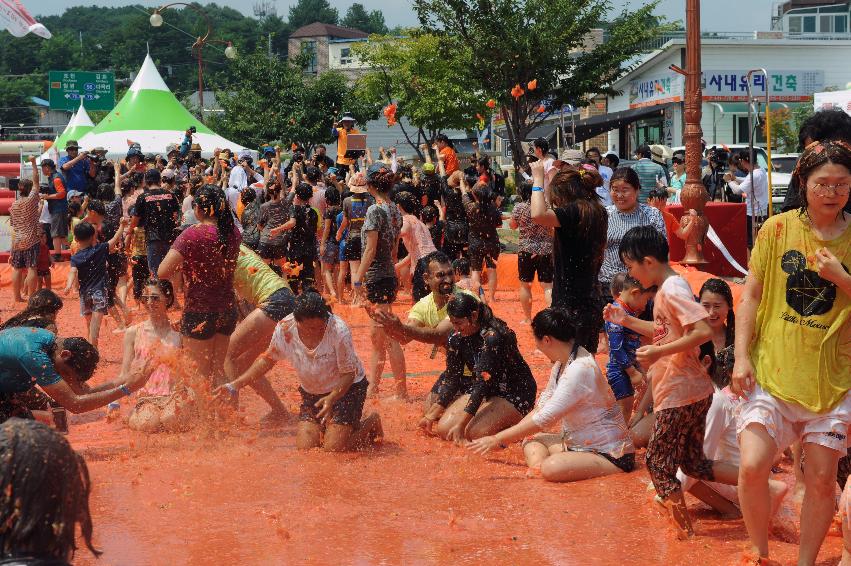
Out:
{"x": 797, "y": 68}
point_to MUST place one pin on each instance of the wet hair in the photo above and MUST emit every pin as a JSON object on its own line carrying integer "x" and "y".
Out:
{"x": 247, "y": 196}
{"x": 644, "y": 151}
{"x": 46, "y": 490}
{"x": 623, "y": 282}
{"x": 212, "y": 202}
{"x": 614, "y": 160}
{"x": 84, "y": 231}
{"x": 815, "y": 155}
{"x": 628, "y": 175}
{"x": 310, "y": 304}
{"x": 525, "y": 191}
{"x": 25, "y": 186}
{"x": 429, "y": 213}
{"x": 407, "y": 202}
{"x": 708, "y": 349}
{"x": 97, "y": 207}
{"x": 484, "y": 161}
{"x": 720, "y": 287}
{"x": 152, "y": 176}
{"x": 84, "y": 357}
{"x": 462, "y": 266}
{"x": 303, "y": 191}
{"x": 542, "y": 144}
{"x": 382, "y": 181}
{"x": 437, "y": 257}
{"x": 42, "y": 304}
{"x": 165, "y": 288}
{"x": 656, "y": 192}
{"x": 313, "y": 174}
{"x": 73, "y": 210}
{"x": 830, "y": 124}
{"x": 332, "y": 196}
{"x": 644, "y": 241}
{"x": 575, "y": 187}
{"x": 555, "y": 323}
{"x": 463, "y": 305}
{"x": 443, "y": 138}
{"x": 49, "y": 163}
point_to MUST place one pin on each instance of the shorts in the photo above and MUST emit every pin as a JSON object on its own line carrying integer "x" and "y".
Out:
{"x": 677, "y": 442}
{"x": 520, "y": 393}
{"x": 625, "y": 463}
{"x": 279, "y": 305}
{"x": 116, "y": 268}
{"x": 205, "y": 325}
{"x": 528, "y": 264}
{"x": 306, "y": 278}
{"x": 58, "y": 225}
{"x": 455, "y": 250}
{"x": 347, "y": 410}
{"x": 381, "y": 291}
{"x": 620, "y": 383}
{"x": 750, "y": 220}
{"x": 272, "y": 251}
{"x": 25, "y": 259}
{"x": 787, "y": 422}
{"x": 332, "y": 253}
{"x": 483, "y": 252}
{"x": 353, "y": 249}
{"x": 43, "y": 272}
{"x": 94, "y": 301}
{"x": 466, "y": 385}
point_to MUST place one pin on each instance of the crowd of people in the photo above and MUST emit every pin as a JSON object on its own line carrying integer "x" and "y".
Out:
{"x": 257, "y": 256}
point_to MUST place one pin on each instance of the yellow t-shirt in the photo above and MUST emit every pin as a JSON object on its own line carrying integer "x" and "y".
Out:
{"x": 802, "y": 345}
{"x": 425, "y": 310}
{"x": 253, "y": 279}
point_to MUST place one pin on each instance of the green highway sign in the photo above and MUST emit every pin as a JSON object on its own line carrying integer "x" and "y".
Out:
{"x": 97, "y": 89}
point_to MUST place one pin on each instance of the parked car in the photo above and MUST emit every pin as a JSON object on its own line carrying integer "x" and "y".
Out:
{"x": 779, "y": 178}
{"x": 784, "y": 162}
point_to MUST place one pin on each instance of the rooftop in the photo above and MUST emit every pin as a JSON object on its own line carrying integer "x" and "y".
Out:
{"x": 318, "y": 29}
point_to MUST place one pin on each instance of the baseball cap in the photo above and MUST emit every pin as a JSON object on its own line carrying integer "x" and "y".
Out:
{"x": 152, "y": 176}
{"x": 167, "y": 174}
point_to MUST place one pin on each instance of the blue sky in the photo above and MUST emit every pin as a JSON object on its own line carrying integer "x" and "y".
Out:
{"x": 717, "y": 15}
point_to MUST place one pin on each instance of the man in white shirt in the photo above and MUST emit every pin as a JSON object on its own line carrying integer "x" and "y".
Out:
{"x": 244, "y": 170}
{"x": 756, "y": 194}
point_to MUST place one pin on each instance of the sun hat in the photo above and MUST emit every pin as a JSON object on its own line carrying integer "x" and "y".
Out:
{"x": 72, "y": 143}
{"x": 571, "y": 156}
{"x": 357, "y": 183}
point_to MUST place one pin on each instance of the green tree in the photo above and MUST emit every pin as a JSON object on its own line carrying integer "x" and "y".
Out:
{"x": 15, "y": 104}
{"x": 512, "y": 43}
{"x": 358, "y": 18}
{"x": 785, "y": 124}
{"x": 273, "y": 99}
{"x": 309, "y": 11}
{"x": 421, "y": 75}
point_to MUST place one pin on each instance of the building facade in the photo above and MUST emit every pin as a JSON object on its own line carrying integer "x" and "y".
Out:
{"x": 327, "y": 47}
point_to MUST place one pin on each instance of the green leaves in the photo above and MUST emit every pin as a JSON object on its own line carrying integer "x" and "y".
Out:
{"x": 271, "y": 99}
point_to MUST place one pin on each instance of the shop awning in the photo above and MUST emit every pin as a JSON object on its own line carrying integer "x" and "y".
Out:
{"x": 546, "y": 131}
{"x": 596, "y": 125}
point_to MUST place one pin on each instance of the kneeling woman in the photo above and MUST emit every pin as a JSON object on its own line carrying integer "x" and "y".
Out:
{"x": 594, "y": 440}
{"x": 331, "y": 378}
{"x": 487, "y": 386}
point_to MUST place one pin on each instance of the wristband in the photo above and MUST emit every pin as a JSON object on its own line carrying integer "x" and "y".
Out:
{"x": 231, "y": 389}
{"x": 126, "y": 390}
{"x": 537, "y": 189}
{"x": 356, "y": 283}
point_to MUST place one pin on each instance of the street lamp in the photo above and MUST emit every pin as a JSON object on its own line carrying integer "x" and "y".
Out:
{"x": 197, "y": 47}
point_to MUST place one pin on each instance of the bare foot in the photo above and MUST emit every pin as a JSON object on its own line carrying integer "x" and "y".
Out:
{"x": 678, "y": 516}
{"x": 751, "y": 558}
{"x": 274, "y": 419}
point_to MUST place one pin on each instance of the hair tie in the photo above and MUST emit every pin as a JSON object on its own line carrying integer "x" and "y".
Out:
{"x": 588, "y": 167}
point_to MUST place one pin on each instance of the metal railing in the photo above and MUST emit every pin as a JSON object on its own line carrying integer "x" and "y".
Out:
{"x": 659, "y": 42}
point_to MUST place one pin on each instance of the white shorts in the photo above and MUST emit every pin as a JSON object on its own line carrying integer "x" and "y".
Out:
{"x": 788, "y": 422}
{"x": 728, "y": 492}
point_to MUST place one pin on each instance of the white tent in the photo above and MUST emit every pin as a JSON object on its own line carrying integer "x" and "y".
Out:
{"x": 150, "y": 115}
{"x": 78, "y": 126}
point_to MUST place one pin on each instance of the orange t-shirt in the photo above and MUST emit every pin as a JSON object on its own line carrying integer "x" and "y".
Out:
{"x": 450, "y": 160}
{"x": 671, "y": 224}
{"x": 679, "y": 379}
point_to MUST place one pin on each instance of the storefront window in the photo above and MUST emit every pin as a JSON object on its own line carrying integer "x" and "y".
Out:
{"x": 648, "y": 132}
{"x": 742, "y": 130}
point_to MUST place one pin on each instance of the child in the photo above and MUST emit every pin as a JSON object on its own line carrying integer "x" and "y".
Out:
{"x": 463, "y": 280}
{"x": 682, "y": 390}
{"x": 301, "y": 248}
{"x": 89, "y": 266}
{"x": 622, "y": 371}
{"x": 432, "y": 217}
{"x": 42, "y": 266}
{"x": 329, "y": 253}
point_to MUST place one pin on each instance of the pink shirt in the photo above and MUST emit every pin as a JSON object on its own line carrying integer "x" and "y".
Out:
{"x": 678, "y": 379}
{"x": 416, "y": 237}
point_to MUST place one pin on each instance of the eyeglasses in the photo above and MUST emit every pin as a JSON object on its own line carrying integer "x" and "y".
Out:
{"x": 839, "y": 189}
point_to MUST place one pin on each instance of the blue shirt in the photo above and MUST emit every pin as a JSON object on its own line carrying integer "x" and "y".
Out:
{"x": 648, "y": 172}
{"x": 623, "y": 343}
{"x": 91, "y": 268}
{"x": 77, "y": 177}
{"x": 26, "y": 360}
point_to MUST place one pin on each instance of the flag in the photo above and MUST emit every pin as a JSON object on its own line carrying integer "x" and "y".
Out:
{"x": 17, "y": 21}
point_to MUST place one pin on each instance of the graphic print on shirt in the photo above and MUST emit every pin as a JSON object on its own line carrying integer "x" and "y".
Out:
{"x": 661, "y": 327}
{"x": 807, "y": 293}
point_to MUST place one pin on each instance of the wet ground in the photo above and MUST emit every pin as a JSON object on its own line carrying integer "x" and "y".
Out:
{"x": 248, "y": 497}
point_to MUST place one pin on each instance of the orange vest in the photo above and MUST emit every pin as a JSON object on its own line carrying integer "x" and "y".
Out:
{"x": 342, "y": 144}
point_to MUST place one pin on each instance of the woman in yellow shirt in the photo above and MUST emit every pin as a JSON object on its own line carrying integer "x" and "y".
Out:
{"x": 793, "y": 360}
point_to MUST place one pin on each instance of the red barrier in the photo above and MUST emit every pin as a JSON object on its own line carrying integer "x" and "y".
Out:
{"x": 730, "y": 223}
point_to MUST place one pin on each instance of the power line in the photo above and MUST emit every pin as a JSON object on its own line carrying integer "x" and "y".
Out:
{"x": 178, "y": 29}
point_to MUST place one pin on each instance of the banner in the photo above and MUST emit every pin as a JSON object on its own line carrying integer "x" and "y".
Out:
{"x": 783, "y": 86}
{"x": 827, "y": 100}
{"x": 17, "y": 21}
{"x": 651, "y": 91}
